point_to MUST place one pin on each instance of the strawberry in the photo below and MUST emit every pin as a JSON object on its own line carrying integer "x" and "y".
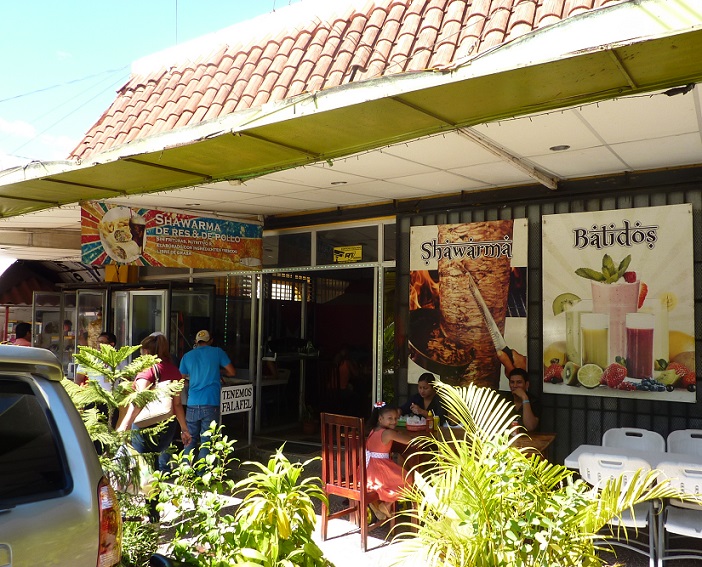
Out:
{"x": 614, "y": 375}
{"x": 642, "y": 294}
{"x": 630, "y": 277}
{"x": 554, "y": 373}
{"x": 628, "y": 386}
{"x": 689, "y": 379}
{"x": 680, "y": 369}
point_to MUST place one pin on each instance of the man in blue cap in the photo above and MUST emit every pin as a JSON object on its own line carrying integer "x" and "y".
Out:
{"x": 202, "y": 366}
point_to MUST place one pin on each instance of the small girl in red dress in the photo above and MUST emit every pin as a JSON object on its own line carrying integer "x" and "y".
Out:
{"x": 383, "y": 474}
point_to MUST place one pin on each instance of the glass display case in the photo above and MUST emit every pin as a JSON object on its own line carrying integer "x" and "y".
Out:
{"x": 77, "y": 315}
{"x": 54, "y": 325}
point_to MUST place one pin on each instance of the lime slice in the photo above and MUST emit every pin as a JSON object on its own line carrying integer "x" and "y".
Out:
{"x": 590, "y": 375}
{"x": 564, "y": 301}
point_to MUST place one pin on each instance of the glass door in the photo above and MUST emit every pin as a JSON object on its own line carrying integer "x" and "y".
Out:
{"x": 46, "y": 324}
{"x": 120, "y": 316}
{"x": 147, "y": 314}
{"x": 90, "y": 308}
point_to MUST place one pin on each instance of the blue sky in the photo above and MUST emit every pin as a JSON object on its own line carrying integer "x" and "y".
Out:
{"x": 63, "y": 61}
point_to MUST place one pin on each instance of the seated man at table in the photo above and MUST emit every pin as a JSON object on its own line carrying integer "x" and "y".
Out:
{"x": 526, "y": 407}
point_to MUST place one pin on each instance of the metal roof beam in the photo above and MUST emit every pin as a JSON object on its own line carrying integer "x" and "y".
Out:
{"x": 492, "y": 147}
{"x": 55, "y": 239}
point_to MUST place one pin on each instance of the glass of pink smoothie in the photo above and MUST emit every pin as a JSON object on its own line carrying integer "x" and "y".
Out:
{"x": 616, "y": 300}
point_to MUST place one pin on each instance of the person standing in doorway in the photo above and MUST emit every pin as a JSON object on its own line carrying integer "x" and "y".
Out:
{"x": 203, "y": 366}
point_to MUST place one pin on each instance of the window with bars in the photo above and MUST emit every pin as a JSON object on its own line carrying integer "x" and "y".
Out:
{"x": 288, "y": 287}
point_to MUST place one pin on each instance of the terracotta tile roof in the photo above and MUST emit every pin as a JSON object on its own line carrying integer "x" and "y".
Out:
{"x": 279, "y": 58}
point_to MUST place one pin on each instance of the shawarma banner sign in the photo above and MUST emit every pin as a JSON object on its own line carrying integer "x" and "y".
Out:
{"x": 115, "y": 234}
{"x": 467, "y": 301}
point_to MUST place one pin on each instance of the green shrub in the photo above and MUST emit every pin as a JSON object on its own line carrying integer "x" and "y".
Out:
{"x": 272, "y": 527}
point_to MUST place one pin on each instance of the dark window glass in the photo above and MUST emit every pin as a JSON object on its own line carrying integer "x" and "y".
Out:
{"x": 389, "y": 252}
{"x": 341, "y": 246}
{"x": 30, "y": 463}
{"x": 287, "y": 250}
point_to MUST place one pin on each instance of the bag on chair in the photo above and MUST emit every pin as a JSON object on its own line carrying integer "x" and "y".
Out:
{"x": 157, "y": 411}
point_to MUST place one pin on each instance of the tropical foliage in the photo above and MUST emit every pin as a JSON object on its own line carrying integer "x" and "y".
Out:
{"x": 483, "y": 503}
{"x": 272, "y": 526}
{"x": 99, "y": 407}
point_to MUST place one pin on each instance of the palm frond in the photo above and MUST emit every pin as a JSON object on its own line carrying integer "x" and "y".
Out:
{"x": 481, "y": 502}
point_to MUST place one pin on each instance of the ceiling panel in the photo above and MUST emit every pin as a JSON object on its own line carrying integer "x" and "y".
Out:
{"x": 644, "y": 116}
{"x": 534, "y": 135}
{"x": 656, "y": 153}
{"x": 580, "y": 163}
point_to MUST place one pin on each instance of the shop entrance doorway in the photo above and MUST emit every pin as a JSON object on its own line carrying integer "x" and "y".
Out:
{"x": 318, "y": 329}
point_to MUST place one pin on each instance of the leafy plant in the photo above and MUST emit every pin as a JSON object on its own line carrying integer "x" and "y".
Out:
{"x": 482, "y": 502}
{"x": 308, "y": 413}
{"x": 203, "y": 535}
{"x": 388, "y": 362}
{"x": 276, "y": 518}
{"x": 98, "y": 405}
{"x": 609, "y": 274}
{"x": 272, "y": 527}
{"x": 126, "y": 470}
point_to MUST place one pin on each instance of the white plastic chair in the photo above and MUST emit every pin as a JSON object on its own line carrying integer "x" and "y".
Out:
{"x": 597, "y": 470}
{"x": 685, "y": 441}
{"x": 634, "y": 438}
{"x": 680, "y": 517}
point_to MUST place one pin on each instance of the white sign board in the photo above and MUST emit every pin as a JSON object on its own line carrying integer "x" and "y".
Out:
{"x": 236, "y": 399}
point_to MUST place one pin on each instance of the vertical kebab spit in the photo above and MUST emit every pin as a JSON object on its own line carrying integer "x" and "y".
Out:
{"x": 462, "y": 321}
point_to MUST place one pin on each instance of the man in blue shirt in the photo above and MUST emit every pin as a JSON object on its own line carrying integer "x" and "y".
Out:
{"x": 202, "y": 365}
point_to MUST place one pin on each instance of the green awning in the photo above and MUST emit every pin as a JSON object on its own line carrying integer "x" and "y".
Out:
{"x": 577, "y": 61}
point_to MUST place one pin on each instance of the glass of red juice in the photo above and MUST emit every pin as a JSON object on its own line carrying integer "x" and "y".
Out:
{"x": 639, "y": 344}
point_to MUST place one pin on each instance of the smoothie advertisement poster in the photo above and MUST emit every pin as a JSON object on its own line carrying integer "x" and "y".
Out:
{"x": 116, "y": 234}
{"x": 618, "y": 304}
{"x": 467, "y": 301}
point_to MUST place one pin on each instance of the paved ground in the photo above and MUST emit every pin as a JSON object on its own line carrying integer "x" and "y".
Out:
{"x": 343, "y": 546}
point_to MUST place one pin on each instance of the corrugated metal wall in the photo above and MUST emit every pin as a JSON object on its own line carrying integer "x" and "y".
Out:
{"x": 576, "y": 419}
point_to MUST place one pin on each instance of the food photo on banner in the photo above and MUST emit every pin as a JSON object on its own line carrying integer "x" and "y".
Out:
{"x": 467, "y": 301}
{"x": 116, "y": 234}
{"x": 618, "y": 304}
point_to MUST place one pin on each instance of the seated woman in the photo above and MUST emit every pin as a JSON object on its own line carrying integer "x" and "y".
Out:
{"x": 383, "y": 474}
{"x": 425, "y": 400}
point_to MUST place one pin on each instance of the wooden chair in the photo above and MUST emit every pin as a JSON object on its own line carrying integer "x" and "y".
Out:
{"x": 344, "y": 471}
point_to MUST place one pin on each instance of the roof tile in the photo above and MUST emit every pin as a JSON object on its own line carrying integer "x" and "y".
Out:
{"x": 449, "y": 34}
{"x": 522, "y": 20}
{"x": 237, "y": 71}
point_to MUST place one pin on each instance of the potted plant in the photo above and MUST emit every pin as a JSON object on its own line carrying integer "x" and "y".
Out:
{"x": 310, "y": 420}
{"x": 481, "y": 502}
